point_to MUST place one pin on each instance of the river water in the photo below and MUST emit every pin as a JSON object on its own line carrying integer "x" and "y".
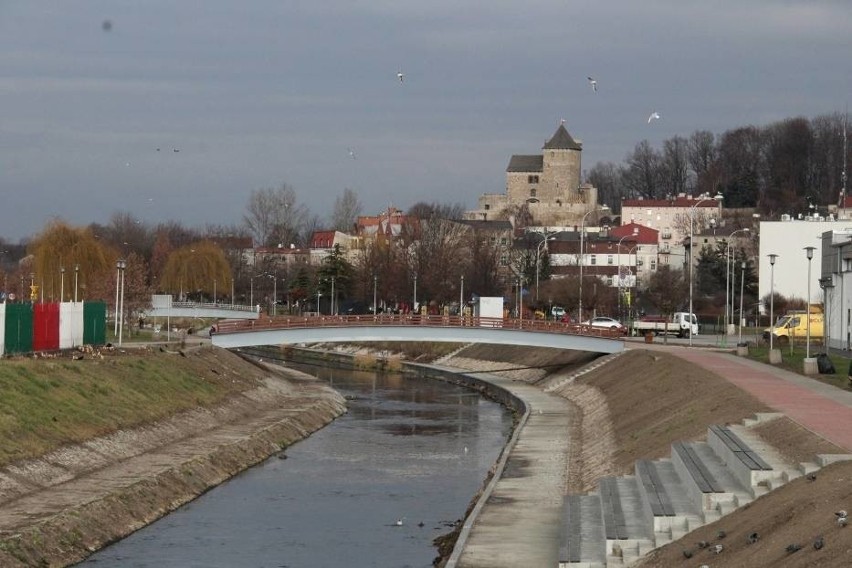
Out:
{"x": 410, "y": 450}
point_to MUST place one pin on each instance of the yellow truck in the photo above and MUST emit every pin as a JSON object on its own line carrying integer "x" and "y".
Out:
{"x": 793, "y": 326}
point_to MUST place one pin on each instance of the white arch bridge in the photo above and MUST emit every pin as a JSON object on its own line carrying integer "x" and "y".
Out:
{"x": 283, "y": 330}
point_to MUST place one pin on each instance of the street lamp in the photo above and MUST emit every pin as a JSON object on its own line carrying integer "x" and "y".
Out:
{"x": 717, "y": 197}
{"x": 375, "y": 283}
{"x": 742, "y": 288}
{"x": 118, "y": 267}
{"x": 61, "y": 284}
{"x": 582, "y": 260}
{"x": 728, "y": 280}
{"x": 461, "y": 298}
{"x": 274, "y": 294}
{"x": 76, "y": 273}
{"x": 333, "y": 299}
{"x": 414, "y": 304}
{"x": 810, "y": 252}
{"x": 772, "y": 258}
{"x": 634, "y": 234}
{"x": 543, "y": 243}
{"x": 120, "y": 264}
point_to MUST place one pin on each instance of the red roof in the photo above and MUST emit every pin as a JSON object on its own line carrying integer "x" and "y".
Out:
{"x": 645, "y": 236}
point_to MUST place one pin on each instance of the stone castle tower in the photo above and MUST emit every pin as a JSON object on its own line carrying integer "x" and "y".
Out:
{"x": 547, "y": 183}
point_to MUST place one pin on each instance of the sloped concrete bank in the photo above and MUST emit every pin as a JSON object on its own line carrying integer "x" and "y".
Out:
{"x": 61, "y": 522}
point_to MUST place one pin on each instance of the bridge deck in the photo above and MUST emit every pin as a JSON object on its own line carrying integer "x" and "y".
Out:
{"x": 409, "y": 327}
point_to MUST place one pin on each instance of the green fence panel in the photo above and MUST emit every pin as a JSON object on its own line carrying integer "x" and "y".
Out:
{"x": 94, "y": 323}
{"x": 19, "y": 328}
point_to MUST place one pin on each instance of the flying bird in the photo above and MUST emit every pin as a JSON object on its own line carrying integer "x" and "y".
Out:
{"x": 401, "y": 76}
{"x": 351, "y": 153}
{"x": 593, "y": 83}
{"x": 175, "y": 150}
{"x": 654, "y": 115}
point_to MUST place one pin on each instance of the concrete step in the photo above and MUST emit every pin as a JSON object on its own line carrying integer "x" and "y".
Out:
{"x": 583, "y": 538}
{"x": 628, "y": 534}
{"x": 667, "y": 505}
{"x": 710, "y": 486}
{"x": 755, "y": 464}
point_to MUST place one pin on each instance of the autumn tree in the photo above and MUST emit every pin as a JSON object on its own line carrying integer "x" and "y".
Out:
{"x": 76, "y": 251}
{"x": 200, "y": 267}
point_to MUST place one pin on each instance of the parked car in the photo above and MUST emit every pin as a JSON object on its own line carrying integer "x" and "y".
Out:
{"x": 557, "y": 311}
{"x": 607, "y": 323}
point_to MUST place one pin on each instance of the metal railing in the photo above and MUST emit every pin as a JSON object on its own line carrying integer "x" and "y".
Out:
{"x": 266, "y": 323}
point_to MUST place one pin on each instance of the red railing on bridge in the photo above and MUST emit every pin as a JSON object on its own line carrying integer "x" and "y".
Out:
{"x": 300, "y": 322}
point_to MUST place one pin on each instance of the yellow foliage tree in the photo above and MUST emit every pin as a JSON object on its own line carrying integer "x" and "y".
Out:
{"x": 199, "y": 267}
{"x": 63, "y": 256}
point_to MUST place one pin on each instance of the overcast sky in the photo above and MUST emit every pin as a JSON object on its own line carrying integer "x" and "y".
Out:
{"x": 260, "y": 93}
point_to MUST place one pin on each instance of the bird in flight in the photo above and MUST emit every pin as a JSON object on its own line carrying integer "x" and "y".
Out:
{"x": 654, "y": 115}
{"x": 401, "y": 76}
{"x": 593, "y": 83}
{"x": 351, "y": 153}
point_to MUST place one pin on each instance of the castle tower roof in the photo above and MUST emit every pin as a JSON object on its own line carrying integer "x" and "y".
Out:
{"x": 561, "y": 140}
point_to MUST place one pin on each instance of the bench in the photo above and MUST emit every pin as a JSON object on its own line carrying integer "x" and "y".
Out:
{"x": 661, "y": 505}
{"x": 740, "y": 449}
{"x": 703, "y": 478}
{"x": 613, "y": 515}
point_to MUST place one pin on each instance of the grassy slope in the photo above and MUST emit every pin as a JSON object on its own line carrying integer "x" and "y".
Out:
{"x": 46, "y": 403}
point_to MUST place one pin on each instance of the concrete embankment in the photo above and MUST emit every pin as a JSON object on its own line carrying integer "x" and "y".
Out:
{"x": 58, "y": 509}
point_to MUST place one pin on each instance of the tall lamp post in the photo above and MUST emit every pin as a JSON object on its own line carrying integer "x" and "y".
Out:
{"x": 772, "y": 259}
{"x": 582, "y": 260}
{"x": 375, "y": 305}
{"x": 76, "y": 273}
{"x": 461, "y": 299}
{"x": 717, "y": 197}
{"x": 728, "y": 282}
{"x": 809, "y": 251}
{"x": 333, "y": 299}
{"x": 414, "y": 303}
{"x": 542, "y": 244}
{"x": 742, "y": 289}
{"x": 121, "y": 264}
{"x": 61, "y": 284}
{"x": 635, "y": 232}
{"x": 118, "y": 266}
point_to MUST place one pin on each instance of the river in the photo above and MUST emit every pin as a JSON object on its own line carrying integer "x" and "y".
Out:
{"x": 372, "y": 489}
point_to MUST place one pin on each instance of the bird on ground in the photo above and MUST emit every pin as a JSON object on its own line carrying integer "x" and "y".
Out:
{"x": 819, "y": 542}
{"x": 842, "y": 521}
{"x": 717, "y": 549}
{"x": 420, "y": 524}
{"x": 703, "y": 544}
{"x": 654, "y": 115}
{"x": 398, "y": 522}
{"x": 841, "y": 513}
{"x": 593, "y": 83}
{"x": 811, "y": 477}
{"x": 687, "y": 553}
{"x": 721, "y": 534}
{"x": 752, "y": 538}
{"x": 791, "y": 548}
{"x": 401, "y": 76}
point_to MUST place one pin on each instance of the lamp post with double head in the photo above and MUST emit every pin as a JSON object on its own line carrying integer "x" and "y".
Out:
{"x": 583, "y": 260}
{"x": 717, "y": 197}
{"x": 633, "y": 234}
{"x": 728, "y": 282}
{"x": 538, "y": 250}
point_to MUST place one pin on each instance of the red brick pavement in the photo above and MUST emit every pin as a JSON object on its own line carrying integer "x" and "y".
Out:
{"x": 818, "y": 407}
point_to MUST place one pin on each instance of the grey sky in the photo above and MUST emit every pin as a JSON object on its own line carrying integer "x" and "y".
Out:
{"x": 255, "y": 94}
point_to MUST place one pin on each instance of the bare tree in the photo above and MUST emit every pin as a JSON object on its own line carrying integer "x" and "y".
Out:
{"x": 607, "y": 178}
{"x": 273, "y": 216}
{"x": 702, "y": 156}
{"x": 347, "y": 208}
{"x": 641, "y": 176}
{"x": 674, "y": 166}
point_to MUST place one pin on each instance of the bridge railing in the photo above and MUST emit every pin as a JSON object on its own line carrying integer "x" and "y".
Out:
{"x": 214, "y": 306}
{"x": 300, "y": 322}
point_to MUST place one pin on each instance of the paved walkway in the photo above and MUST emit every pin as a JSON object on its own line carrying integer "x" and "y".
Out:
{"x": 819, "y": 407}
